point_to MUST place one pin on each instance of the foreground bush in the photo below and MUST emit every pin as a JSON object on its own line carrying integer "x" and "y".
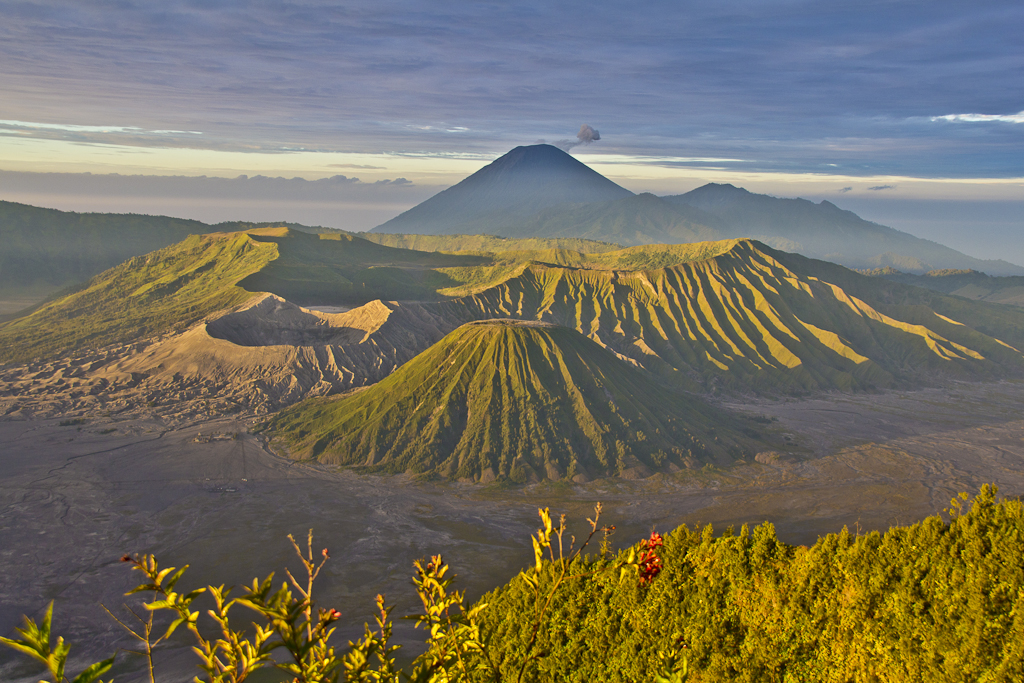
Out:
{"x": 935, "y": 601}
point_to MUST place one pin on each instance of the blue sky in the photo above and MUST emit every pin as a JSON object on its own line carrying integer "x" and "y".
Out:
{"x": 791, "y": 98}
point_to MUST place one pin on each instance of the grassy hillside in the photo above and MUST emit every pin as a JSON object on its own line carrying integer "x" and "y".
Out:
{"x": 507, "y": 399}
{"x": 172, "y": 288}
{"x": 934, "y": 601}
{"x": 337, "y": 268}
{"x": 739, "y": 315}
{"x": 148, "y": 295}
{"x": 46, "y": 250}
{"x": 732, "y": 315}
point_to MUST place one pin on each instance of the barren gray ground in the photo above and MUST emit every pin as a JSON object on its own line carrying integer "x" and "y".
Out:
{"x": 74, "y": 498}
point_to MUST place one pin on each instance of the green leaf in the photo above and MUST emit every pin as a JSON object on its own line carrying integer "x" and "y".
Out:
{"x": 94, "y": 671}
{"x": 23, "y": 647}
{"x": 174, "y": 579}
{"x": 58, "y": 659}
{"x": 44, "y": 628}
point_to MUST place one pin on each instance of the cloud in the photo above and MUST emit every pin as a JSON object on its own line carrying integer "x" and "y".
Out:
{"x": 882, "y": 187}
{"x": 338, "y": 201}
{"x": 365, "y": 167}
{"x": 790, "y": 83}
{"x": 334, "y": 188}
{"x": 845, "y": 190}
{"x": 981, "y": 118}
{"x": 24, "y": 126}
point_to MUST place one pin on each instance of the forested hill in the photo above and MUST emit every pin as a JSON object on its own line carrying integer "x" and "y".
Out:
{"x": 935, "y": 601}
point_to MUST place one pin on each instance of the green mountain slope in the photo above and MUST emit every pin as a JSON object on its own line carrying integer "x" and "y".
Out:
{"x": 739, "y": 315}
{"x": 166, "y": 290}
{"x": 175, "y": 287}
{"x": 514, "y": 400}
{"x": 732, "y": 315}
{"x": 46, "y": 250}
{"x": 343, "y": 269}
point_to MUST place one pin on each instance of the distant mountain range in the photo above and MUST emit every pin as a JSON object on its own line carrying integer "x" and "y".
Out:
{"x": 969, "y": 284}
{"x": 539, "y": 191}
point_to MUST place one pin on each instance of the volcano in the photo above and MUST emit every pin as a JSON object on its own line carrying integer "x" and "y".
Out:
{"x": 513, "y": 187}
{"x": 517, "y": 400}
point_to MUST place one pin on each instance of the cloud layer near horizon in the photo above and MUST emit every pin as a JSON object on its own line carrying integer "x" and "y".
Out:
{"x": 796, "y": 86}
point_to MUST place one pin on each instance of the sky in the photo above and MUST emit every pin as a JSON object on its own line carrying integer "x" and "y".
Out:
{"x": 347, "y": 113}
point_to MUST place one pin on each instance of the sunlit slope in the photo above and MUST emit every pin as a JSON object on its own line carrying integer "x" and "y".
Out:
{"x": 172, "y": 288}
{"x": 512, "y": 399}
{"x": 166, "y": 290}
{"x": 740, "y": 318}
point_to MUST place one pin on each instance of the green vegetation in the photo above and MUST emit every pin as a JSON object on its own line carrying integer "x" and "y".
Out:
{"x": 46, "y": 250}
{"x": 742, "y": 316}
{"x": 167, "y": 290}
{"x": 514, "y": 401}
{"x": 456, "y": 648}
{"x": 935, "y": 601}
{"x": 176, "y": 286}
{"x": 733, "y": 315}
{"x": 915, "y": 304}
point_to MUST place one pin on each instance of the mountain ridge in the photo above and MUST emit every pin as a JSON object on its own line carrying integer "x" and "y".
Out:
{"x": 800, "y": 225}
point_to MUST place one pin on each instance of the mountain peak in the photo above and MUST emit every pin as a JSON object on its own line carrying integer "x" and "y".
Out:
{"x": 520, "y": 183}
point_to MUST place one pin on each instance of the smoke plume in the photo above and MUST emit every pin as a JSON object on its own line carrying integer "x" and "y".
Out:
{"x": 586, "y": 135}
